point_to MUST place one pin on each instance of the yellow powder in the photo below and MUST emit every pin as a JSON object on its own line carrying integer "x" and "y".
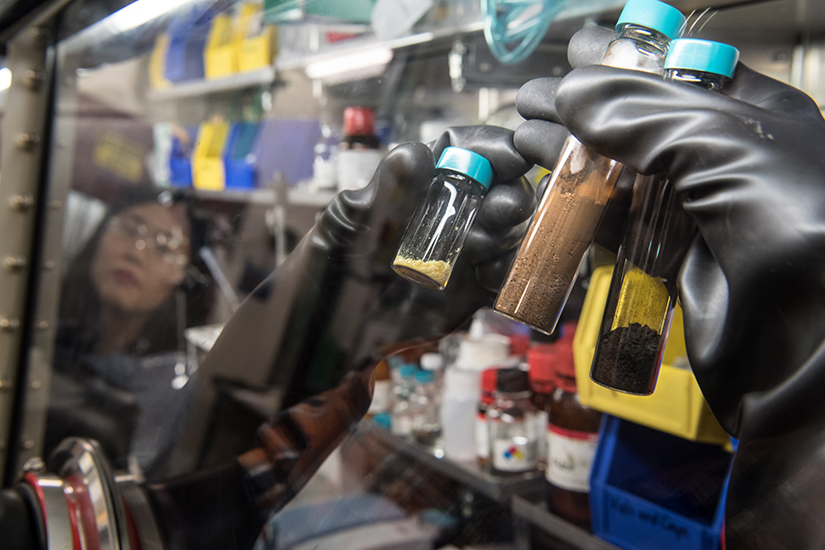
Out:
{"x": 436, "y": 272}
{"x": 643, "y": 299}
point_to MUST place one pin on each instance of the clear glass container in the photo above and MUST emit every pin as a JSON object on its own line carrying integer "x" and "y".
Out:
{"x": 402, "y": 401}
{"x": 437, "y": 230}
{"x": 426, "y": 424}
{"x": 512, "y": 427}
{"x": 643, "y": 290}
{"x": 542, "y": 275}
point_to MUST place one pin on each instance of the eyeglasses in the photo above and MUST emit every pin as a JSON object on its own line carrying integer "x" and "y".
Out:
{"x": 165, "y": 244}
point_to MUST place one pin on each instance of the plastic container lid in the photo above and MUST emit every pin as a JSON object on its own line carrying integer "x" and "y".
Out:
{"x": 359, "y": 121}
{"x": 432, "y": 361}
{"x": 407, "y": 371}
{"x": 702, "y": 55}
{"x": 512, "y": 381}
{"x": 468, "y": 163}
{"x": 653, "y": 15}
{"x": 542, "y": 360}
{"x": 489, "y": 381}
{"x": 519, "y": 344}
{"x": 565, "y": 367}
{"x": 424, "y": 376}
{"x": 480, "y": 353}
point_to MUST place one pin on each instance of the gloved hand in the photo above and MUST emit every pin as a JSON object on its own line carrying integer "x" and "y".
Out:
{"x": 336, "y": 301}
{"x": 749, "y": 166}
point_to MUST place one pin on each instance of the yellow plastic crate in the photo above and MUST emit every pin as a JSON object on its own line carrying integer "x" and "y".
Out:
{"x": 677, "y": 405}
{"x": 157, "y": 63}
{"x": 258, "y": 51}
{"x": 220, "y": 56}
{"x": 208, "y": 170}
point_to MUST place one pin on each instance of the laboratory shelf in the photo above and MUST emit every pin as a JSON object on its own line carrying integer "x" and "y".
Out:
{"x": 527, "y": 514}
{"x": 295, "y": 196}
{"x": 238, "y": 81}
{"x": 468, "y": 474}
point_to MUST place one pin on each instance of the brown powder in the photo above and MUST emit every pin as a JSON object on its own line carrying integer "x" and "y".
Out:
{"x": 539, "y": 281}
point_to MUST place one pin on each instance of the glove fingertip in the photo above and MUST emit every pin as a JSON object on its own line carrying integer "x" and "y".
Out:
{"x": 588, "y": 46}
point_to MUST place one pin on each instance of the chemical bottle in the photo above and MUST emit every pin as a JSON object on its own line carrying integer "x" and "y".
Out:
{"x": 541, "y": 360}
{"x": 382, "y": 390}
{"x": 572, "y": 436}
{"x": 401, "y": 413}
{"x": 360, "y": 151}
{"x": 489, "y": 379}
{"x": 511, "y": 423}
{"x": 462, "y": 387}
{"x": 425, "y": 413}
{"x": 542, "y": 274}
{"x": 438, "y": 228}
{"x": 434, "y": 362}
{"x": 643, "y": 291}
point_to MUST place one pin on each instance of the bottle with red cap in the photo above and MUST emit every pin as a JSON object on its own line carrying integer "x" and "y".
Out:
{"x": 541, "y": 360}
{"x": 573, "y": 432}
{"x": 511, "y": 425}
{"x": 360, "y": 151}
{"x": 489, "y": 378}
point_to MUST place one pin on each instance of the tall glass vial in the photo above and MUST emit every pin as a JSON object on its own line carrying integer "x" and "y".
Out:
{"x": 572, "y": 437}
{"x": 426, "y": 424}
{"x": 489, "y": 381}
{"x": 437, "y": 230}
{"x": 541, "y": 360}
{"x": 402, "y": 401}
{"x": 643, "y": 290}
{"x": 512, "y": 426}
{"x": 543, "y": 273}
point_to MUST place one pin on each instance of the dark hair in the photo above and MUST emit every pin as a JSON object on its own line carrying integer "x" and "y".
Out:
{"x": 80, "y": 302}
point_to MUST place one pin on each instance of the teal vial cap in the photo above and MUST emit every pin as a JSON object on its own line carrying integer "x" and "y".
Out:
{"x": 653, "y": 15}
{"x": 407, "y": 371}
{"x": 468, "y": 163}
{"x": 424, "y": 377}
{"x": 702, "y": 55}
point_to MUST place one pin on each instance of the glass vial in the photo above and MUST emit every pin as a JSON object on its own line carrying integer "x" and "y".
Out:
{"x": 512, "y": 426}
{"x": 402, "y": 401}
{"x": 543, "y": 273}
{"x": 437, "y": 230}
{"x": 643, "y": 291}
{"x": 572, "y": 437}
{"x": 541, "y": 360}
{"x": 489, "y": 381}
{"x": 426, "y": 423}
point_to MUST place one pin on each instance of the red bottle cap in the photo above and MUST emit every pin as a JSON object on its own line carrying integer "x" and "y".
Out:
{"x": 542, "y": 359}
{"x": 359, "y": 121}
{"x": 519, "y": 344}
{"x": 565, "y": 367}
{"x": 489, "y": 382}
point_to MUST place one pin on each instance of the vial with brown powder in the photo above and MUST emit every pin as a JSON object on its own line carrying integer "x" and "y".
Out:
{"x": 572, "y": 437}
{"x": 565, "y": 224}
{"x": 643, "y": 290}
{"x": 439, "y": 227}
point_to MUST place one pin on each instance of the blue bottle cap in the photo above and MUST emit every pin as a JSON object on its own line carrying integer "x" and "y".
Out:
{"x": 702, "y": 55}
{"x": 468, "y": 163}
{"x": 407, "y": 371}
{"x": 384, "y": 420}
{"x": 653, "y": 15}
{"x": 424, "y": 377}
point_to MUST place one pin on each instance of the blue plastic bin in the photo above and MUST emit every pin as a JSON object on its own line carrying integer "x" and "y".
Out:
{"x": 187, "y": 38}
{"x": 650, "y": 490}
{"x": 180, "y": 163}
{"x": 240, "y": 159}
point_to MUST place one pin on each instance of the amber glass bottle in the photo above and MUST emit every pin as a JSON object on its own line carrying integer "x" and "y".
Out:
{"x": 573, "y": 432}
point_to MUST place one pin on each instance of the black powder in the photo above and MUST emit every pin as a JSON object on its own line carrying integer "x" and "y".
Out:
{"x": 627, "y": 359}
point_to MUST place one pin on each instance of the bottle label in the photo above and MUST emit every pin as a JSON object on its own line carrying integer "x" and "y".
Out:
{"x": 482, "y": 437}
{"x": 381, "y": 397}
{"x": 570, "y": 458}
{"x": 514, "y": 454}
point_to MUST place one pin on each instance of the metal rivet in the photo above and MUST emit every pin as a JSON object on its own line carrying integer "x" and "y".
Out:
{"x": 15, "y": 262}
{"x": 9, "y": 324}
{"x": 27, "y": 141}
{"x": 28, "y": 444}
{"x": 21, "y": 202}
{"x": 49, "y": 265}
{"x": 36, "y": 384}
{"x": 42, "y": 325}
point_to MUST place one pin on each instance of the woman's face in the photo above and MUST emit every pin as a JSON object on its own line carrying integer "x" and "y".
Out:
{"x": 142, "y": 256}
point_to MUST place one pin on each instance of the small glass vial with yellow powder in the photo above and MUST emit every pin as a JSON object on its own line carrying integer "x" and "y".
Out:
{"x": 437, "y": 230}
{"x": 659, "y": 231}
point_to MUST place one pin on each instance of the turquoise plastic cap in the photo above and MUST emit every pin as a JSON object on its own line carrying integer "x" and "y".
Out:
{"x": 468, "y": 163}
{"x": 653, "y": 15}
{"x": 702, "y": 55}
{"x": 424, "y": 377}
{"x": 407, "y": 371}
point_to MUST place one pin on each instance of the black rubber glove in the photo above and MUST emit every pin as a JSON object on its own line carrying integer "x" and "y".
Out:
{"x": 336, "y": 302}
{"x": 749, "y": 166}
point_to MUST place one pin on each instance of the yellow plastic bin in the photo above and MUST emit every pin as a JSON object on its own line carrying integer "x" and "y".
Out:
{"x": 260, "y": 41}
{"x": 677, "y": 405}
{"x": 220, "y": 56}
{"x": 207, "y": 161}
{"x": 157, "y": 63}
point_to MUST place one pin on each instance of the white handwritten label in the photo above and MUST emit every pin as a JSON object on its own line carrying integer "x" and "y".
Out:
{"x": 570, "y": 458}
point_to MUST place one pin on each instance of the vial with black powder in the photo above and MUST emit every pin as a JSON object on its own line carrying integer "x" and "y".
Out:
{"x": 438, "y": 229}
{"x": 659, "y": 231}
